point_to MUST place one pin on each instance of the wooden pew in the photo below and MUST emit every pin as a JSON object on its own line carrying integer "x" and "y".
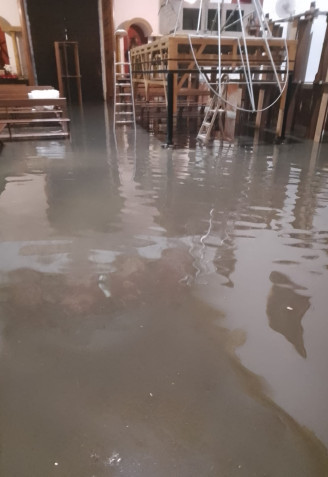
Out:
{"x": 32, "y": 117}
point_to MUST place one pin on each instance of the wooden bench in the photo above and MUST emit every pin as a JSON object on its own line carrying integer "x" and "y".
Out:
{"x": 18, "y": 110}
{"x": 64, "y": 122}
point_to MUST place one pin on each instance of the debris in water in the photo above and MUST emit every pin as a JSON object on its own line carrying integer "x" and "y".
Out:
{"x": 94, "y": 456}
{"x": 114, "y": 459}
{"x": 102, "y": 286}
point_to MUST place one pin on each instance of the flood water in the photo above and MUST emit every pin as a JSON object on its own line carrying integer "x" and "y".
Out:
{"x": 163, "y": 312}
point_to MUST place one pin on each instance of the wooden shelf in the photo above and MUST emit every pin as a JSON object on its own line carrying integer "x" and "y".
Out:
{"x": 68, "y": 68}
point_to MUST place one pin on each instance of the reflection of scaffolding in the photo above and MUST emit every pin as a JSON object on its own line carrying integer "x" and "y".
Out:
{"x": 254, "y": 63}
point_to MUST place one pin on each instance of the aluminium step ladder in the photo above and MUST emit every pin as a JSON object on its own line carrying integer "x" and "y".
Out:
{"x": 215, "y": 108}
{"x": 124, "y": 110}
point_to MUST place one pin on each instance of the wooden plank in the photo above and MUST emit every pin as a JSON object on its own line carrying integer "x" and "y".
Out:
{"x": 322, "y": 116}
{"x": 21, "y": 89}
{"x": 36, "y": 135}
{"x": 25, "y": 102}
{"x": 19, "y": 111}
{"x": 280, "y": 119}
{"x": 37, "y": 120}
{"x": 109, "y": 45}
{"x": 260, "y": 108}
{"x": 27, "y": 48}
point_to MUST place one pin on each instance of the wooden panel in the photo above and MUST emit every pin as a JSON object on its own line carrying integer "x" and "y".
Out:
{"x": 108, "y": 31}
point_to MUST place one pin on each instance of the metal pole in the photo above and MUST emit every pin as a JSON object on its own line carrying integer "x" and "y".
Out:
{"x": 288, "y": 98}
{"x": 170, "y": 96}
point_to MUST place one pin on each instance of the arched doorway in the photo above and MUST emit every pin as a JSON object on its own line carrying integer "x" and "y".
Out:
{"x": 135, "y": 37}
{"x": 138, "y": 30}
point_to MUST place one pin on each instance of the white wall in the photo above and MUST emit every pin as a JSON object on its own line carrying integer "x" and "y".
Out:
{"x": 9, "y": 11}
{"x": 125, "y": 10}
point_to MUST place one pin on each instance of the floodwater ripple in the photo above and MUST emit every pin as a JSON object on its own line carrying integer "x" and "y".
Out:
{"x": 160, "y": 313}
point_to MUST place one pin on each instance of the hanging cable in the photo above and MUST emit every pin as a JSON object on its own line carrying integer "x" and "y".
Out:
{"x": 199, "y": 15}
{"x": 267, "y": 45}
{"x": 246, "y": 67}
{"x": 178, "y": 17}
{"x": 250, "y": 89}
{"x": 219, "y": 46}
{"x": 240, "y": 108}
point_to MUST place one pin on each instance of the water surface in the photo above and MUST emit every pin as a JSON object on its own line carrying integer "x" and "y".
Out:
{"x": 162, "y": 311}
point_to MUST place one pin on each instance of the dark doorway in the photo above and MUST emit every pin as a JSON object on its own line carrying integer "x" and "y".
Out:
{"x": 73, "y": 20}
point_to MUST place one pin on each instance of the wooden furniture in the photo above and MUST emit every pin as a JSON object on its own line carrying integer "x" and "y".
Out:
{"x": 152, "y": 61}
{"x": 68, "y": 68}
{"x": 27, "y": 118}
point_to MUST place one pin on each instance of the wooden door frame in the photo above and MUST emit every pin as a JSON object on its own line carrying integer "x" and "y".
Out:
{"x": 108, "y": 42}
{"x": 109, "y": 46}
{"x": 28, "y": 52}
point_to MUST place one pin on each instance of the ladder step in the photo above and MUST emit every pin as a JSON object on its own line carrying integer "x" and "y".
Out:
{"x": 124, "y": 101}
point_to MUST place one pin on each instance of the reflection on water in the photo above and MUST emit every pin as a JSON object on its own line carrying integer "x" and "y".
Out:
{"x": 141, "y": 288}
{"x": 286, "y": 308}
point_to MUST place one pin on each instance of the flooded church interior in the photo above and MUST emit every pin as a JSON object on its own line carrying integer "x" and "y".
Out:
{"x": 163, "y": 238}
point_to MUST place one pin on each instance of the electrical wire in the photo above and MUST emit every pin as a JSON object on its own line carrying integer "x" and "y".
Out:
{"x": 249, "y": 83}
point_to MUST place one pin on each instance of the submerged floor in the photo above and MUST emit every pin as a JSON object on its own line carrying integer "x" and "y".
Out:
{"x": 163, "y": 312}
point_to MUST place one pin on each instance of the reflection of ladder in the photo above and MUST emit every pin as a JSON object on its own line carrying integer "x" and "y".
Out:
{"x": 124, "y": 112}
{"x": 215, "y": 107}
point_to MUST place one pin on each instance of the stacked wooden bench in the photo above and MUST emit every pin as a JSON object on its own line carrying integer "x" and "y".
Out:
{"x": 22, "y": 117}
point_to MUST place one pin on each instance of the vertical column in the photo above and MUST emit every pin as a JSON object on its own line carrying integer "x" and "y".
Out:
{"x": 322, "y": 116}
{"x": 280, "y": 121}
{"x": 59, "y": 69}
{"x": 172, "y": 65}
{"x": 26, "y": 43}
{"x": 260, "y": 104}
{"x": 77, "y": 72}
{"x": 170, "y": 104}
{"x": 109, "y": 46}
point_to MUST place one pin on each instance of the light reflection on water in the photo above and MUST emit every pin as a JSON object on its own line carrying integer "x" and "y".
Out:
{"x": 243, "y": 229}
{"x": 274, "y": 264}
